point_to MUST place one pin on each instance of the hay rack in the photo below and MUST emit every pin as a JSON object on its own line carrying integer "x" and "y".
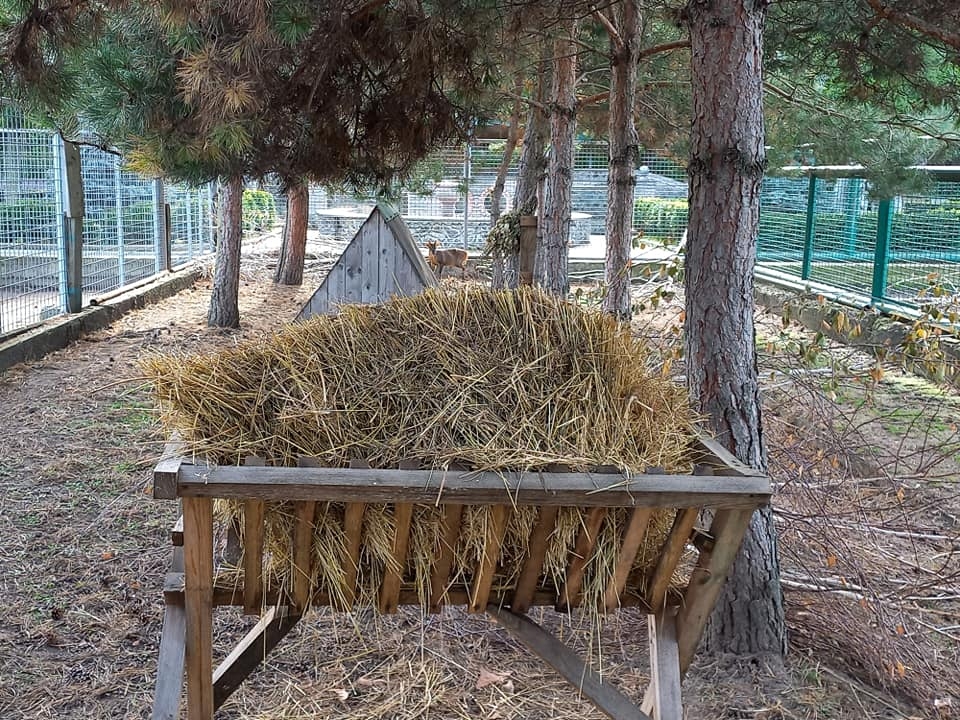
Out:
{"x": 676, "y": 615}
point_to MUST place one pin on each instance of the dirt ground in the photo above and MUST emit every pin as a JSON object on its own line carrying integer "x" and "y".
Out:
{"x": 871, "y": 564}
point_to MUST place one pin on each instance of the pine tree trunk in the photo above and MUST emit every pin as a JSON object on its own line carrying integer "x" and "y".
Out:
{"x": 224, "y": 301}
{"x": 624, "y": 150}
{"x": 498, "y": 279}
{"x": 553, "y": 250}
{"x": 726, "y": 167}
{"x": 294, "y": 247}
{"x": 532, "y": 163}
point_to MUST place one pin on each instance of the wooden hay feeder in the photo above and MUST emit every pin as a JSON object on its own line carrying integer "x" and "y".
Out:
{"x": 676, "y": 618}
{"x": 382, "y": 260}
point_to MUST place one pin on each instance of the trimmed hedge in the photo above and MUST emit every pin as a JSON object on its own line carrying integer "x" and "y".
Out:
{"x": 28, "y": 220}
{"x": 664, "y": 219}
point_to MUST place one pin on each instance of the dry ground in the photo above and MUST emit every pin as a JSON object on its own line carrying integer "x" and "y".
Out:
{"x": 83, "y": 550}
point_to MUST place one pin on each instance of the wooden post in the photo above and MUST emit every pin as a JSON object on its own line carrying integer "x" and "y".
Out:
{"x": 71, "y": 190}
{"x": 198, "y": 604}
{"x": 528, "y": 248}
{"x": 663, "y": 696}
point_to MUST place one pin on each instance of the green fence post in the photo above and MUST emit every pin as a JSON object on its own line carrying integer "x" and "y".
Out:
{"x": 853, "y": 191}
{"x": 881, "y": 256}
{"x": 808, "y": 229}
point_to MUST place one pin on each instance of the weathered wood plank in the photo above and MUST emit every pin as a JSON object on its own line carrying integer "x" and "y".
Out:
{"x": 707, "y": 579}
{"x": 712, "y": 453}
{"x": 533, "y": 565}
{"x": 370, "y": 238}
{"x": 393, "y": 577}
{"x": 250, "y": 652}
{"x": 167, "y": 469}
{"x": 353, "y": 530}
{"x": 353, "y": 269}
{"x": 440, "y": 574}
{"x": 632, "y": 542}
{"x": 253, "y": 532}
{"x": 425, "y": 486}
{"x": 483, "y": 578}
{"x": 176, "y": 532}
{"x": 670, "y": 556}
{"x": 198, "y": 599}
{"x": 302, "y": 552}
{"x": 166, "y": 698}
{"x": 582, "y": 551}
{"x": 548, "y": 648}
{"x": 664, "y": 693}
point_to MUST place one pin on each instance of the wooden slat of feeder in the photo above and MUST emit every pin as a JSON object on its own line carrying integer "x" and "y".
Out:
{"x": 440, "y": 575}
{"x": 582, "y": 551}
{"x": 353, "y": 530}
{"x": 669, "y": 557}
{"x": 393, "y": 577}
{"x": 483, "y": 579}
{"x": 707, "y": 579}
{"x": 632, "y": 542}
{"x": 253, "y": 531}
{"x": 166, "y": 473}
{"x": 663, "y": 694}
{"x": 304, "y": 514}
{"x": 721, "y": 460}
{"x": 536, "y": 554}
{"x": 198, "y": 592}
{"x": 475, "y": 488}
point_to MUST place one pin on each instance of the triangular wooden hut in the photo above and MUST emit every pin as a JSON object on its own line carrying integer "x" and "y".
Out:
{"x": 381, "y": 260}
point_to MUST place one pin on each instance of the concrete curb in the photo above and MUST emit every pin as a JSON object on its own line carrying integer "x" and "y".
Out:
{"x": 58, "y": 334}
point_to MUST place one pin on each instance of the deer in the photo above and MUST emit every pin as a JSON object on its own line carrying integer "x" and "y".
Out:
{"x": 439, "y": 259}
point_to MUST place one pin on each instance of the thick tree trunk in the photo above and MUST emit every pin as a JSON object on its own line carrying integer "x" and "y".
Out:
{"x": 294, "y": 247}
{"x": 624, "y": 150}
{"x": 224, "y": 301}
{"x": 533, "y": 161}
{"x": 726, "y": 168}
{"x": 553, "y": 250}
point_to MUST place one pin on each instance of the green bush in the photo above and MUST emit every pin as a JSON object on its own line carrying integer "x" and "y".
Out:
{"x": 658, "y": 218}
{"x": 259, "y": 211}
{"x": 28, "y": 220}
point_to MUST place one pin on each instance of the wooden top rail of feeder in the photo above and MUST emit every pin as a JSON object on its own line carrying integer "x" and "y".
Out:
{"x": 457, "y": 486}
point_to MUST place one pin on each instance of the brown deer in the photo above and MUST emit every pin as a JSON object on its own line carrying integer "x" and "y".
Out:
{"x": 439, "y": 259}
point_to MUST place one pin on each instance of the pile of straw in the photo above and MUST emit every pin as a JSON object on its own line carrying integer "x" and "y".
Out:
{"x": 491, "y": 380}
{"x": 496, "y": 380}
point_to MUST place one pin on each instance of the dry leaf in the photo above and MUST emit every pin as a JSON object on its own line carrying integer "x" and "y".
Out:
{"x": 365, "y": 682}
{"x": 106, "y": 555}
{"x": 831, "y": 560}
{"x": 341, "y": 694}
{"x": 488, "y": 677}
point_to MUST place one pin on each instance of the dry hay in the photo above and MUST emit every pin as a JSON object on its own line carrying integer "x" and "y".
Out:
{"x": 488, "y": 380}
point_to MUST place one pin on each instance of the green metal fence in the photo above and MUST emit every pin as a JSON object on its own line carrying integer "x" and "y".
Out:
{"x": 825, "y": 228}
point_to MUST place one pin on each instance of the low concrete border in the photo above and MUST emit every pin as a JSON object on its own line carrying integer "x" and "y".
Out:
{"x": 59, "y": 333}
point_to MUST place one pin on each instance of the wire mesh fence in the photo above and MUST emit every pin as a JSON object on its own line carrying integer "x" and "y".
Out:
{"x": 124, "y": 230}
{"x": 30, "y": 227}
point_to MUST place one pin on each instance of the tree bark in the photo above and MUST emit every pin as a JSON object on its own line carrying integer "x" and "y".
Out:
{"x": 496, "y": 195}
{"x": 553, "y": 250}
{"x": 294, "y": 247}
{"x": 533, "y": 161}
{"x": 726, "y": 167}
{"x": 624, "y": 151}
{"x": 224, "y": 301}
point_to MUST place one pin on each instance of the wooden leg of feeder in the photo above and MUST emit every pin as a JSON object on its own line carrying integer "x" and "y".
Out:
{"x": 602, "y": 694}
{"x": 166, "y": 699}
{"x": 707, "y": 579}
{"x": 663, "y": 695}
{"x": 198, "y": 604}
{"x": 250, "y": 652}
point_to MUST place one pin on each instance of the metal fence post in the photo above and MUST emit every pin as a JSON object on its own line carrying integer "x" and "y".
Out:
{"x": 161, "y": 246}
{"x": 881, "y": 256}
{"x": 71, "y": 189}
{"x": 466, "y": 193}
{"x": 809, "y": 228}
{"x": 118, "y": 204}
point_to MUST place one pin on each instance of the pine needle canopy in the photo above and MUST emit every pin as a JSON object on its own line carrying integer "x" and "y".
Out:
{"x": 345, "y": 91}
